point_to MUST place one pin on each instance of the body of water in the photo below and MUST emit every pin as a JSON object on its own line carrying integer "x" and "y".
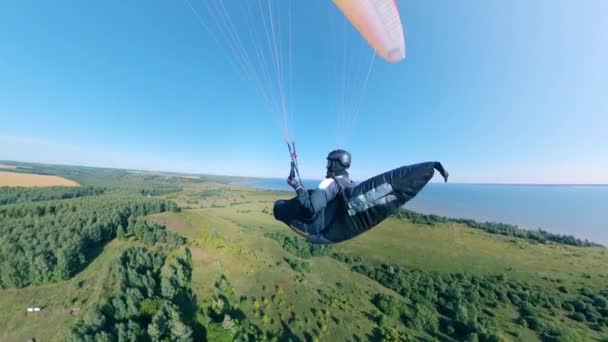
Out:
{"x": 578, "y": 210}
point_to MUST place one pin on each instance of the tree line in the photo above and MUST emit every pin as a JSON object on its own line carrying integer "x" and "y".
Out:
{"x": 11, "y": 195}
{"x": 539, "y": 235}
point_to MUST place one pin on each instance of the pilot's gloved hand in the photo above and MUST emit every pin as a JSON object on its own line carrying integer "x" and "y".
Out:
{"x": 294, "y": 183}
{"x": 291, "y": 180}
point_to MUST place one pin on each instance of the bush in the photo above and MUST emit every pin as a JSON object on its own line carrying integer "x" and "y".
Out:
{"x": 535, "y": 323}
{"x": 387, "y": 304}
{"x": 425, "y": 319}
{"x": 298, "y": 265}
{"x": 556, "y": 334}
{"x": 568, "y": 307}
{"x": 577, "y": 316}
{"x": 472, "y": 337}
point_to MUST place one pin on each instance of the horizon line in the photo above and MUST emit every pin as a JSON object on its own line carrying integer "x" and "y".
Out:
{"x": 276, "y": 177}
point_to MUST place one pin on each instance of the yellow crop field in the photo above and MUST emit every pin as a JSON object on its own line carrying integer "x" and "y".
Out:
{"x": 31, "y": 180}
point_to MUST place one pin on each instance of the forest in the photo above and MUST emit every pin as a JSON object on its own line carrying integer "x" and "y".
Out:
{"x": 50, "y": 240}
{"x": 463, "y": 306}
{"x": 10, "y": 195}
{"x": 152, "y": 301}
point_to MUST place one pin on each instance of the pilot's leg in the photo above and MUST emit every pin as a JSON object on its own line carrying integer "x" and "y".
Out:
{"x": 286, "y": 210}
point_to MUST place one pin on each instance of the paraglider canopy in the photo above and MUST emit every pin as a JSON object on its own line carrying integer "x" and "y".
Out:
{"x": 379, "y": 23}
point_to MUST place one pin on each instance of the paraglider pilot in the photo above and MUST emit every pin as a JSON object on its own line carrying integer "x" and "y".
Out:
{"x": 339, "y": 209}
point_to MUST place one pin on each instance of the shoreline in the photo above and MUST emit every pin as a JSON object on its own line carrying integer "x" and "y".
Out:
{"x": 502, "y": 203}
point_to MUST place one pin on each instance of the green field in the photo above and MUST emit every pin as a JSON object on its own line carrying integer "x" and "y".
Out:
{"x": 257, "y": 267}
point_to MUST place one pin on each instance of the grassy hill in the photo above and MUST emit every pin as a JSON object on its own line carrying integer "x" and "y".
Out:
{"x": 230, "y": 235}
{"x": 253, "y": 278}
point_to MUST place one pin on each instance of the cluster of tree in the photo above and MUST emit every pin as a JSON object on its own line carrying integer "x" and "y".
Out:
{"x": 153, "y": 300}
{"x": 539, "y": 235}
{"x": 298, "y": 246}
{"x": 418, "y": 218}
{"x": 440, "y": 306}
{"x": 462, "y": 305}
{"x": 390, "y": 311}
{"x": 149, "y": 233}
{"x": 11, "y": 195}
{"x": 305, "y": 250}
{"x": 207, "y": 193}
{"x": 213, "y": 179}
{"x": 298, "y": 265}
{"x": 225, "y": 321}
{"x": 52, "y": 240}
{"x": 159, "y": 189}
{"x": 589, "y": 307}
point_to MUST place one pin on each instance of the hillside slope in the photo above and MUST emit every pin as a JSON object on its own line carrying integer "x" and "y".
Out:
{"x": 253, "y": 279}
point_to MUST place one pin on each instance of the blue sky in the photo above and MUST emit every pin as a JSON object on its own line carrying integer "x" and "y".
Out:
{"x": 499, "y": 91}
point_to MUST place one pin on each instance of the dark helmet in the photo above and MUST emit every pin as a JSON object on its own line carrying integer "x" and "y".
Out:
{"x": 340, "y": 156}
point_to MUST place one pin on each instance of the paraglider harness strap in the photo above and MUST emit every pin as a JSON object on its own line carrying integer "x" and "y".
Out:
{"x": 342, "y": 193}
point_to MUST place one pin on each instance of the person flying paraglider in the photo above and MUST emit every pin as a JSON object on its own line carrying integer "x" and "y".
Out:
{"x": 339, "y": 209}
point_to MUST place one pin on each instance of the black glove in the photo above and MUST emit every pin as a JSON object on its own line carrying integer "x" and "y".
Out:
{"x": 293, "y": 183}
{"x": 291, "y": 180}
